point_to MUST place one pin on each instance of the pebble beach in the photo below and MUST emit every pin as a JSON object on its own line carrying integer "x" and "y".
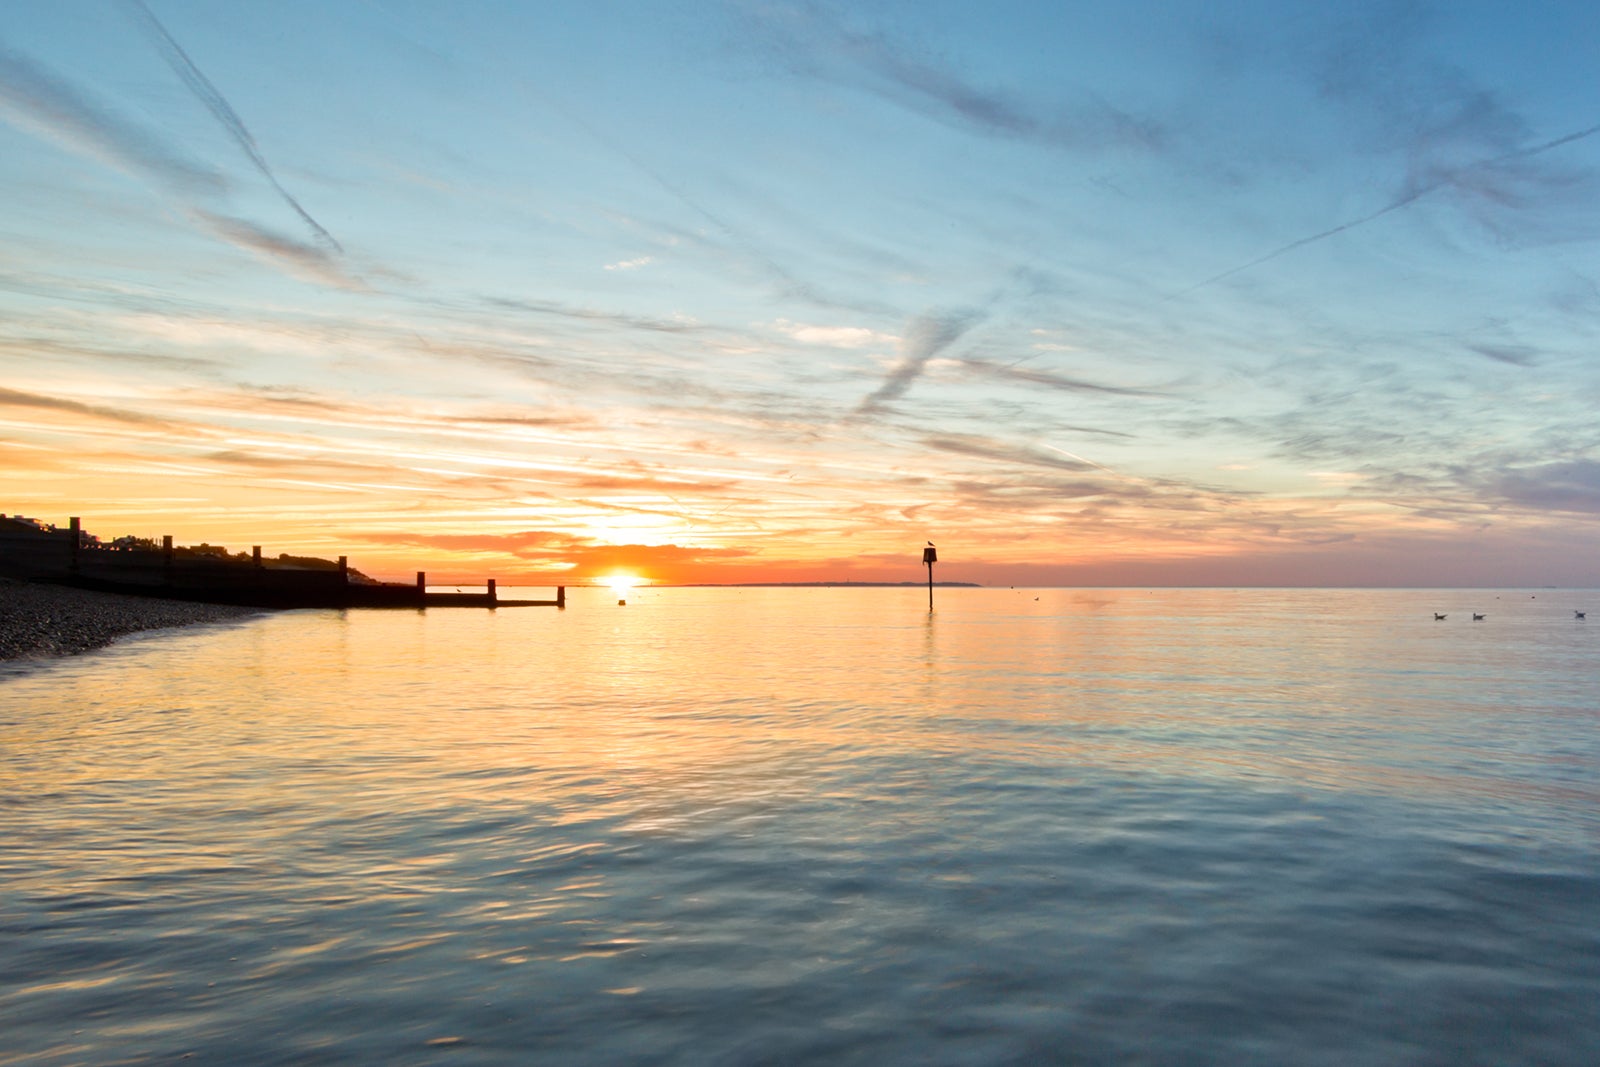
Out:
{"x": 51, "y": 620}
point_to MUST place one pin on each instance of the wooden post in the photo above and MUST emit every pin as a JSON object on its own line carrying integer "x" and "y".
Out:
{"x": 561, "y": 596}
{"x": 344, "y": 569}
{"x": 491, "y": 593}
{"x": 930, "y": 557}
{"x": 166, "y": 558}
{"x": 77, "y": 540}
{"x": 255, "y": 556}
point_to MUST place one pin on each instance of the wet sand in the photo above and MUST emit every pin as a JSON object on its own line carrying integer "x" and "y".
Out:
{"x": 49, "y": 620}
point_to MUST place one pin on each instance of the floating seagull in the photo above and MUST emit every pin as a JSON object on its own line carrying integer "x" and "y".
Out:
{"x": 1476, "y": 617}
{"x": 1579, "y": 614}
{"x": 1437, "y": 617}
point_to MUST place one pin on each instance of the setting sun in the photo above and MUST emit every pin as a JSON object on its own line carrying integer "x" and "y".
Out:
{"x": 621, "y": 583}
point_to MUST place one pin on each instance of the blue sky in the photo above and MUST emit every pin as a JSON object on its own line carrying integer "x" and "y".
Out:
{"x": 1168, "y": 293}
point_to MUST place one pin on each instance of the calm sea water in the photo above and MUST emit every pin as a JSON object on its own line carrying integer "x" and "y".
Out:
{"x": 792, "y": 826}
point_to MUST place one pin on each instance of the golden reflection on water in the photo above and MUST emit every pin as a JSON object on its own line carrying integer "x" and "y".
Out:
{"x": 691, "y": 701}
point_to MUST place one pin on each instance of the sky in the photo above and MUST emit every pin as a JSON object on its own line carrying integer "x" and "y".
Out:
{"x": 1103, "y": 294}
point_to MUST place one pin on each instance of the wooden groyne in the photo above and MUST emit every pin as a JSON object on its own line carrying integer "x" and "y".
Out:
{"x": 289, "y": 589}
{"x": 209, "y": 575}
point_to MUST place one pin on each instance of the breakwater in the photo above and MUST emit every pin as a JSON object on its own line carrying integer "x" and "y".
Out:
{"x": 209, "y": 574}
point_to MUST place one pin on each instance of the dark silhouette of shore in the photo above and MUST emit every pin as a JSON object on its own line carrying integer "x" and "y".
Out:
{"x": 209, "y": 574}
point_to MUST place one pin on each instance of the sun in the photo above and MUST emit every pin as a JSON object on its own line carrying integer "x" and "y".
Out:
{"x": 621, "y": 583}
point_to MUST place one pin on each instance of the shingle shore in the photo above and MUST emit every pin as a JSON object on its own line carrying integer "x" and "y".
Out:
{"x": 50, "y": 620}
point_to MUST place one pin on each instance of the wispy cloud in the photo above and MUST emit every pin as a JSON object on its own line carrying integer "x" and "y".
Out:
{"x": 924, "y": 339}
{"x": 1516, "y": 355}
{"x": 893, "y": 68}
{"x": 48, "y": 106}
{"x": 45, "y": 104}
{"x": 584, "y": 555}
{"x": 849, "y": 337}
{"x": 1050, "y": 379}
{"x": 612, "y": 318}
{"x": 1488, "y": 178}
{"x": 1007, "y": 452}
{"x": 306, "y": 262}
{"x": 15, "y": 398}
{"x": 1449, "y": 136}
{"x": 1570, "y": 485}
{"x": 218, "y": 105}
{"x": 631, "y": 264}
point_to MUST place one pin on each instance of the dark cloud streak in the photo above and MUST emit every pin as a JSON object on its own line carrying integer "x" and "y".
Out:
{"x": 53, "y": 108}
{"x": 927, "y": 337}
{"x": 1054, "y": 381}
{"x": 50, "y": 107}
{"x": 874, "y": 61}
{"x": 218, "y": 105}
{"x": 15, "y": 398}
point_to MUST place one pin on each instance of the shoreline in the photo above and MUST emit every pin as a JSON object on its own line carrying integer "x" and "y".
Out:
{"x": 40, "y": 621}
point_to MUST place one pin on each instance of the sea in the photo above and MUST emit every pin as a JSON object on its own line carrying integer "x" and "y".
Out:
{"x": 730, "y": 826}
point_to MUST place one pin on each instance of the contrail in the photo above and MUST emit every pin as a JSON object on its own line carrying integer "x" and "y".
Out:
{"x": 1092, "y": 463}
{"x": 1409, "y": 198}
{"x": 927, "y": 337}
{"x": 217, "y": 104}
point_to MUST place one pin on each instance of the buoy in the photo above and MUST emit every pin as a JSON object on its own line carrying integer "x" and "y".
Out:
{"x": 621, "y": 602}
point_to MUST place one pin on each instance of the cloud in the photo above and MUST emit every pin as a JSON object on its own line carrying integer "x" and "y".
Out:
{"x": 1451, "y": 137}
{"x": 307, "y": 262}
{"x": 925, "y": 338}
{"x": 874, "y": 61}
{"x": 1498, "y": 180}
{"x": 565, "y": 420}
{"x": 1516, "y": 355}
{"x": 14, "y": 398}
{"x": 989, "y": 448}
{"x": 45, "y": 104}
{"x": 551, "y": 548}
{"x": 850, "y": 337}
{"x": 35, "y": 99}
{"x": 631, "y": 264}
{"x": 219, "y": 107}
{"x": 637, "y": 322}
{"x": 1572, "y": 485}
{"x": 1051, "y": 380}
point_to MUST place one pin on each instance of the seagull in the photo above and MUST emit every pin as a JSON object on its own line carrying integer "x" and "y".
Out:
{"x": 1476, "y": 617}
{"x": 1579, "y": 614}
{"x": 1437, "y": 617}
{"x": 930, "y": 544}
